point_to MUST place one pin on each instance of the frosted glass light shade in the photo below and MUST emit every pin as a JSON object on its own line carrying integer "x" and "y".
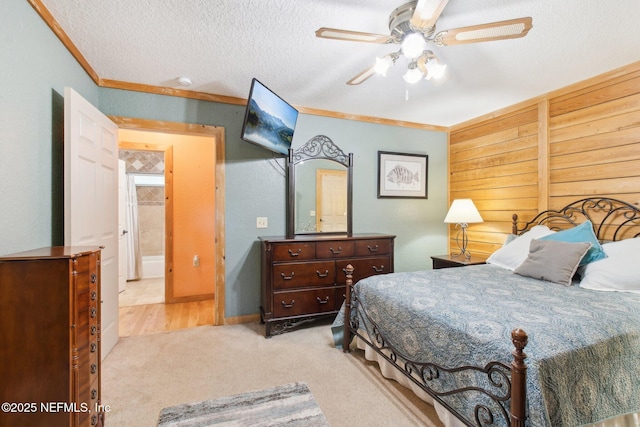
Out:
{"x": 413, "y": 75}
{"x": 413, "y": 45}
{"x": 463, "y": 211}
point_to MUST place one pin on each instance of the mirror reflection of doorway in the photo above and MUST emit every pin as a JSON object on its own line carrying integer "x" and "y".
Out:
{"x": 331, "y": 200}
{"x": 145, "y": 225}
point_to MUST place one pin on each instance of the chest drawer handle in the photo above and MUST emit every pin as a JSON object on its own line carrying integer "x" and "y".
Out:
{"x": 285, "y": 305}
{"x": 94, "y": 368}
{"x": 323, "y": 301}
{"x": 94, "y": 347}
{"x": 94, "y": 278}
{"x": 325, "y": 274}
{"x": 94, "y": 312}
{"x": 295, "y": 253}
{"x": 94, "y": 394}
{"x": 94, "y": 330}
{"x": 94, "y": 295}
{"x": 378, "y": 270}
{"x": 94, "y": 420}
{"x": 288, "y": 277}
{"x": 336, "y": 251}
{"x": 373, "y": 249}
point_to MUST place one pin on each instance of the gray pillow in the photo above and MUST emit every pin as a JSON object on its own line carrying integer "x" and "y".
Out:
{"x": 553, "y": 261}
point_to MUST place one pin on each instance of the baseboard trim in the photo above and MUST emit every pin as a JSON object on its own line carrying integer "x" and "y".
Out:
{"x": 249, "y": 318}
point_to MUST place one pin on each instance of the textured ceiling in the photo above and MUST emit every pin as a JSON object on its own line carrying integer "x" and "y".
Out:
{"x": 222, "y": 44}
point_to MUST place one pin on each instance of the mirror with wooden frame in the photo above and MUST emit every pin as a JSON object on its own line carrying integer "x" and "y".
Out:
{"x": 319, "y": 191}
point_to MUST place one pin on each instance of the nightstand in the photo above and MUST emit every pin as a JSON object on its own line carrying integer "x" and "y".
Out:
{"x": 448, "y": 261}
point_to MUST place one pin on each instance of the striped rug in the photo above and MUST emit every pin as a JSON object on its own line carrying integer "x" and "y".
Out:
{"x": 286, "y": 405}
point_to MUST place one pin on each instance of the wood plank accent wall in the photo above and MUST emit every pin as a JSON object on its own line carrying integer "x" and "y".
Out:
{"x": 580, "y": 141}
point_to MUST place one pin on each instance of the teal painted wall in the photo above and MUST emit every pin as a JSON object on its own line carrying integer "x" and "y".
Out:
{"x": 256, "y": 184}
{"x": 30, "y": 143}
{"x": 34, "y": 69}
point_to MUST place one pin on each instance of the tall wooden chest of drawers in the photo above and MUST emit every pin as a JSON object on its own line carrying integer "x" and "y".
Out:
{"x": 50, "y": 337}
{"x": 303, "y": 278}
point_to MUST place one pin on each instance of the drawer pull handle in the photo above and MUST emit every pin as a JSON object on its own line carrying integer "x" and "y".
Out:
{"x": 295, "y": 253}
{"x": 285, "y": 305}
{"x": 323, "y": 301}
{"x": 373, "y": 249}
{"x": 94, "y": 278}
{"x": 287, "y": 277}
{"x": 94, "y": 368}
{"x": 94, "y": 420}
{"x": 94, "y": 330}
{"x": 336, "y": 251}
{"x": 94, "y": 312}
{"x": 94, "y": 347}
{"x": 94, "y": 295}
{"x": 378, "y": 270}
{"x": 325, "y": 274}
{"x": 94, "y": 394}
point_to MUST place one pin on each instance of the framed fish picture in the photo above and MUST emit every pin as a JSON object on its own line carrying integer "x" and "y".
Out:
{"x": 402, "y": 175}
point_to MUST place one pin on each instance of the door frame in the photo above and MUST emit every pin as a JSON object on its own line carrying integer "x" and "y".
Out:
{"x": 201, "y": 130}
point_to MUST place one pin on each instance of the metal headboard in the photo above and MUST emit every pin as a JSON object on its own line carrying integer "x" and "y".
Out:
{"x": 612, "y": 219}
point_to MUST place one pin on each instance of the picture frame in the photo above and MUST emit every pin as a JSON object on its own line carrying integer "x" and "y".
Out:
{"x": 402, "y": 175}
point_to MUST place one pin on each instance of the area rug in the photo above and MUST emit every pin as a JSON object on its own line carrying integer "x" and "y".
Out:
{"x": 286, "y": 405}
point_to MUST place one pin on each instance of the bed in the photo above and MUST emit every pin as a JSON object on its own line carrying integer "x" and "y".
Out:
{"x": 547, "y": 333}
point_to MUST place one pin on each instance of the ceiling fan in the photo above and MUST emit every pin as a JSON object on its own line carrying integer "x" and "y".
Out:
{"x": 413, "y": 26}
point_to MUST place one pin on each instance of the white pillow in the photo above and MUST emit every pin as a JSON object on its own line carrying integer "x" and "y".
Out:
{"x": 511, "y": 255}
{"x": 620, "y": 271}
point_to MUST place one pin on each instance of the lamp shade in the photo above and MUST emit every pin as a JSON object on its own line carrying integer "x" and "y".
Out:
{"x": 462, "y": 211}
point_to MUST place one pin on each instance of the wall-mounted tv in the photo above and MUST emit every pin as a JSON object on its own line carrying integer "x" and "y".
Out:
{"x": 269, "y": 121}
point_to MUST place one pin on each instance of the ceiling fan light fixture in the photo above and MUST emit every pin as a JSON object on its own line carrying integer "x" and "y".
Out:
{"x": 413, "y": 45}
{"x": 413, "y": 74}
{"x": 436, "y": 69}
{"x": 383, "y": 64}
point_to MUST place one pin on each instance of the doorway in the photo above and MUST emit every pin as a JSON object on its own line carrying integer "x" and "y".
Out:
{"x": 185, "y": 266}
{"x": 145, "y": 217}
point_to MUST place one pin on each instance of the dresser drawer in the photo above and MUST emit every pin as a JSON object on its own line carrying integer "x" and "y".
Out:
{"x": 373, "y": 247}
{"x": 302, "y": 274}
{"x": 336, "y": 249}
{"x": 362, "y": 268}
{"x": 293, "y": 251}
{"x": 312, "y": 301}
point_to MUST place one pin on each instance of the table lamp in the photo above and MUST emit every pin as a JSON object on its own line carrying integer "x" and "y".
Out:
{"x": 462, "y": 213}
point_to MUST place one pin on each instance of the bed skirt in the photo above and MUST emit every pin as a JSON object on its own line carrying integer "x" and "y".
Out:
{"x": 390, "y": 372}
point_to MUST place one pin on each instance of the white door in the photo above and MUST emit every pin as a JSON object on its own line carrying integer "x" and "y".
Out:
{"x": 122, "y": 222}
{"x": 331, "y": 200}
{"x": 91, "y": 197}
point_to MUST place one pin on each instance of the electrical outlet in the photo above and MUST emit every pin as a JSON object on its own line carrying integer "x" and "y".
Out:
{"x": 261, "y": 222}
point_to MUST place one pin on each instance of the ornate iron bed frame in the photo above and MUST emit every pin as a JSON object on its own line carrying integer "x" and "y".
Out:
{"x": 612, "y": 220}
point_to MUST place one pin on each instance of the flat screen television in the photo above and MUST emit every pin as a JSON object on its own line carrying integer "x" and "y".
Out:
{"x": 269, "y": 121}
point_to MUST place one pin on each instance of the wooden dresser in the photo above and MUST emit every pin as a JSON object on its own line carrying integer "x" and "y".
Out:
{"x": 50, "y": 337}
{"x": 303, "y": 278}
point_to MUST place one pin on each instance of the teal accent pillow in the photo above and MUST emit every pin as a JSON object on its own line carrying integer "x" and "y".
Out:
{"x": 581, "y": 233}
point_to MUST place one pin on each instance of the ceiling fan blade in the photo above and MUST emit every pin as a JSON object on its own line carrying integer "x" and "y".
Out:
{"x": 427, "y": 13}
{"x": 354, "y": 36}
{"x": 362, "y": 76}
{"x": 510, "y": 29}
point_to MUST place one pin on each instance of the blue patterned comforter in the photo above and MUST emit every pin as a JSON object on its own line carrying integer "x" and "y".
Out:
{"x": 584, "y": 346}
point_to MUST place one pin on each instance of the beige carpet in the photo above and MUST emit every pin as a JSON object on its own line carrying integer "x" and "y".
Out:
{"x": 144, "y": 374}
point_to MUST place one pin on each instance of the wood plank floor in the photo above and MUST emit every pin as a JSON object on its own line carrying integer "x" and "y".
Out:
{"x": 152, "y": 318}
